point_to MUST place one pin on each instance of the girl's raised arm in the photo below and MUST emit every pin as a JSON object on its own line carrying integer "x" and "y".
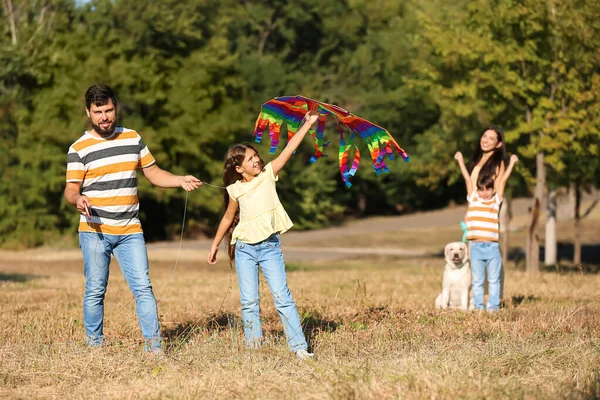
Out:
{"x": 282, "y": 159}
{"x": 504, "y": 179}
{"x": 499, "y": 174}
{"x": 225, "y": 223}
{"x": 463, "y": 169}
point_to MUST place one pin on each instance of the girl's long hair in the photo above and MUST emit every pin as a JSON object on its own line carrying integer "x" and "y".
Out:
{"x": 234, "y": 158}
{"x": 493, "y": 164}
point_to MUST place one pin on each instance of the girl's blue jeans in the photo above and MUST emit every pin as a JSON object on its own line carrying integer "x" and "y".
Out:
{"x": 130, "y": 252}
{"x": 268, "y": 255}
{"x": 486, "y": 257}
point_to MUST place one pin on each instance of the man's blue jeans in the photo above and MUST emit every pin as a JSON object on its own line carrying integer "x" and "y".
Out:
{"x": 486, "y": 257}
{"x": 130, "y": 252}
{"x": 268, "y": 255}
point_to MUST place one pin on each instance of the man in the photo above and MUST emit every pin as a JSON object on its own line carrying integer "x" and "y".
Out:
{"x": 102, "y": 184}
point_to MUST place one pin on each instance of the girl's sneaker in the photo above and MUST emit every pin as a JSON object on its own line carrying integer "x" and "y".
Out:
{"x": 156, "y": 352}
{"x": 304, "y": 355}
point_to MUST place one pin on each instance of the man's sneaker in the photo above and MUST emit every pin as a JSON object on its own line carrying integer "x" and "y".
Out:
{"x": 304, "y": 355}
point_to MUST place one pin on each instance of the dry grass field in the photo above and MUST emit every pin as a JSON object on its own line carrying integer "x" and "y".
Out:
{"x": 370, "y": 322}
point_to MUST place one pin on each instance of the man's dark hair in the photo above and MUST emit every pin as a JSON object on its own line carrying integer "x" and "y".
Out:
{"x": 485, "y": 182}
{"x": 99, "y": 96}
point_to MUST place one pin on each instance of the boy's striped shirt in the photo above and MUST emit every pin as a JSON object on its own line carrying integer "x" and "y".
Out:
{"x": 482, "y": 218}
{"x": 106, "y": 168}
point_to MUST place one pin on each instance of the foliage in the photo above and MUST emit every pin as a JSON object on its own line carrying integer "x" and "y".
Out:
{"x": 190, "y": 76}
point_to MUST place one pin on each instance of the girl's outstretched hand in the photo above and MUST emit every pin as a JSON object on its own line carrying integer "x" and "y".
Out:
{"x": 212, "y": 255}
{"x": 513, "y": 159}
{"x": 311, "y": 117}
{"x": 458, "y": 156}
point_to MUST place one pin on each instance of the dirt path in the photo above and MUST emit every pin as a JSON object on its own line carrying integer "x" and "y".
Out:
{"x": 295, "y": 247}
{"x": 304, "y": 245}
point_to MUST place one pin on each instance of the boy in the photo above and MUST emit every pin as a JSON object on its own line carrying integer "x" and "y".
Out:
{"x": 482, "y": 232}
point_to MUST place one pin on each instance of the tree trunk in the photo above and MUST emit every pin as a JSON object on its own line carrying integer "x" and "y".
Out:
{"x": 550, "y": 242}
{"x": 532, "y": 246}
{"x": 540, "y": 179}
{"x": 577, "y": 238}
{"x": 8, "y": 10}
{"x": 505, "y": 217}
{"x": 362, "y": 199}
{"x": 571, "y": 200}
{"x": 532, "y": 253}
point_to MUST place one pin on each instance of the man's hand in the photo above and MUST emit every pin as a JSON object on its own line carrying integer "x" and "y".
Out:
{"x": 83, "y": 206}
{"x": 190, "y": 182}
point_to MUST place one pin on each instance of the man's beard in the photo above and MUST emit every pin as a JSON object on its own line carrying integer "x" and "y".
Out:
{"x": 105, "y": 132}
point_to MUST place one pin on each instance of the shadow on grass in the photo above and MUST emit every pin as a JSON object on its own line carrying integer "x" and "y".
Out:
{"x": 592, "y": 389}
{"x": 182, "y": 332}
{"x": 17, "y": 277}
{"x": 313, "y": 324}
{"x": 516, "y": 300}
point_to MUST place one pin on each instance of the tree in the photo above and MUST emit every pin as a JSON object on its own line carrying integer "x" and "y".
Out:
{"x": 30, "y": 178}
{"x": 509, "y": 62}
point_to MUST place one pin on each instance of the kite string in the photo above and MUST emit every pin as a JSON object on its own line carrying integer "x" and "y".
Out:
{"x": 215, "y": 186}
{"x": 181, "y": 239}
{"x": 177, "y": 257}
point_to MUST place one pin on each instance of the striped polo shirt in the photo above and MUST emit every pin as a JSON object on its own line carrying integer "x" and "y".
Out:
{"x": 106, "y": 168}
{"x": 482, "y": 218}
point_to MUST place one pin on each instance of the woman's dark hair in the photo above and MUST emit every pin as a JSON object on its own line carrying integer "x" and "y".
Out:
{"x": 99, "y": 96}
{"x": 234, "y": 158}
{"x": 485, "y": 182}
{"x": 493, "y": 164}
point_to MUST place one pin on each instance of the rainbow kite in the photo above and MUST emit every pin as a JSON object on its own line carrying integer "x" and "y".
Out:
{"x": 291, "y": 111}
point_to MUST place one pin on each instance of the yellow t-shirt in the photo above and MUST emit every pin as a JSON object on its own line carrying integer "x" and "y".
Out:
{"x": 261, "y": 212}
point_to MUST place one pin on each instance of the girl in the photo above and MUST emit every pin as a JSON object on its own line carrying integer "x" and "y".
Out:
{"x": 253, "y": 220}
{"x": 489, "y": 156}
{"x": 489, "y": 160}
{"x": 483, "y": 232}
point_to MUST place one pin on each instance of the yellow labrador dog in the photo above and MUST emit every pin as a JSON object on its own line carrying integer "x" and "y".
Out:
{"x": 456, "y": 283}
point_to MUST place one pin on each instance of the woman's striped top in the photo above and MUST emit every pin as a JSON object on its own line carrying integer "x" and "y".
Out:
{"x": 482, "y": 218}
{"x": 106, "y": 168}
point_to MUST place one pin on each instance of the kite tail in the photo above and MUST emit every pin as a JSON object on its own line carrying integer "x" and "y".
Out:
{"x": 259, "y": 128}
{"x": 265, "y": 120}
{"x": 384, "y": 145}
{"x": 318, "y": 138}
{"x": 274, "y": 130}
{"x": 343, "y": 157}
